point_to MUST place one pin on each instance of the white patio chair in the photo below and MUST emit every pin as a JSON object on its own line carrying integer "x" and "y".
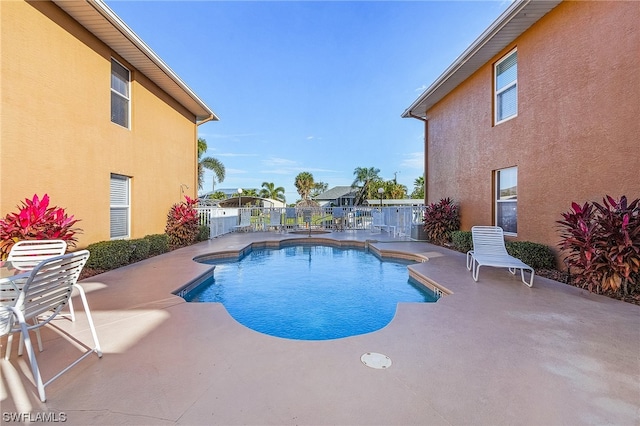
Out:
{"x": 43, "y": 295}
{"x": 378, "y": 222}
{"x": 26, "y": 254}
{"x": 489, "y": 250}
{"x": 275, "y": 219}
{"x": 245, "y": 221}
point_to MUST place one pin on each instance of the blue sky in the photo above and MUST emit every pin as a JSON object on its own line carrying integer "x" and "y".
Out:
{"x": 309, "y": 86}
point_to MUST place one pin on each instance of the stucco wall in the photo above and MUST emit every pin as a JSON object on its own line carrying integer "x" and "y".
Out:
{"x": 577, "y": 133}
{"x": 57, "y": 136}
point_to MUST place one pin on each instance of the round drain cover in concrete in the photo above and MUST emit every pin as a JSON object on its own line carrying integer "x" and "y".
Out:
{"x": 375, "y": 360}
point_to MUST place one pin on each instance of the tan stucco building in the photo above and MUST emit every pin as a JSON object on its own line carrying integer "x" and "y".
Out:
{"x": 94, "y": 118}
{"x": 543, "y": 109}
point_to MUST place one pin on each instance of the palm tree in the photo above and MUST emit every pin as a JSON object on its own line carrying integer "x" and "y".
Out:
{"x": 365, "y": 176}
{"x": 304, "y": 184}
{"x": 396, "y": 191}
{"x": 318, "y": 188}
{"x": 269, "y": 190}
{"x": 418, "y": 188}
{"x": 210, "y": 163}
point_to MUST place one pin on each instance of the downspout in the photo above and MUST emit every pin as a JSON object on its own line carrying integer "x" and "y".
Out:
{"x": 426, "y": 155}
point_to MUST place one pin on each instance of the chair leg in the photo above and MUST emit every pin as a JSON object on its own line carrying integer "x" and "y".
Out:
{"x": 97, "y": 348}
{"x": 35, "y": 370}
{"x": 476, "y": 271}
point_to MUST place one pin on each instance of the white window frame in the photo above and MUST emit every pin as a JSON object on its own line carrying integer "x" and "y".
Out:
{"x": 126, "y": 96}
{"x": 120, "y": 204}
{"x": 498, "y": 92}
{"x": 501, "y": 202}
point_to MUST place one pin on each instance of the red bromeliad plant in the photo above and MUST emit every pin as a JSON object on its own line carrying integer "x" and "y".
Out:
{"x": 602, "y": 242}
{"x": 182, "y": 223}
{"x": 35, "y": 220}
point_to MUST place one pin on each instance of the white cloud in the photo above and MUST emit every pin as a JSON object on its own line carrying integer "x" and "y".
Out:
{"x": 421, "y": 88}
{"x": 235, "y": 154}
{"x": 414, "y": 160}
{"x": 279, "y": 162}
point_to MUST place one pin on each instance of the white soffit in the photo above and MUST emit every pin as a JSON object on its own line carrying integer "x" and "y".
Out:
{"x": 102, "y": 22}
{"x": 514, "y": 21}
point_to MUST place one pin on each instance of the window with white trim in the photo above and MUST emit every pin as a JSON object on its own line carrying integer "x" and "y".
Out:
{"x": 507, "y": 200}
{"x": 120, "y": 98}
{"x": 506, "y": 87}
{"x": 119, "y": 206}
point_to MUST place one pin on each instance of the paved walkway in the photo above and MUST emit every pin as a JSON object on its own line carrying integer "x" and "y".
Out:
{"x": 494, "y": 352}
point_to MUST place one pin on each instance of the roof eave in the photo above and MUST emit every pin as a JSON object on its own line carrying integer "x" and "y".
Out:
{"x": 514, "y": 21}
{"x": 102, "y": 22}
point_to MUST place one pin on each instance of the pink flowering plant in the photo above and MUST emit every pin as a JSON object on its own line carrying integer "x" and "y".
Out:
{"x": 35, "y": 220}
{"x": 182, "y": 223}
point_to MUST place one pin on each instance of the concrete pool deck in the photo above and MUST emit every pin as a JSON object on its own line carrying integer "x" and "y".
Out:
{"x": 494, "y": 352}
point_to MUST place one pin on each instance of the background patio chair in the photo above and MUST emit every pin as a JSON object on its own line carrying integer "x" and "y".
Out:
{"x": 44, "y": 294}
{"x": 245, "y": 221}
{"x": 489, "y": 250}
{"x": 275, "y": 219}
{"x": 25, "y": 255}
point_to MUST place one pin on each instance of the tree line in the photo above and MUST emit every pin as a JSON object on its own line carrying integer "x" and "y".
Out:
{"x": 366, "y": 183}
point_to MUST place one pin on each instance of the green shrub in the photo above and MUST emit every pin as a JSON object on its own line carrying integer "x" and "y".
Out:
{"x": 462, "y": 241}
{"x": 158, "y": 244}
{"x": 203, "y": 233}
{"x": 538, "y": 256}
{"x": 108, "y": 255}
{"x": 139, "y": 249}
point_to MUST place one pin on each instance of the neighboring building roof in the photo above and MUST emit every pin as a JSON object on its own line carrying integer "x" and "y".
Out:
{"x": 336, "y": 192}
{"x": 514, "y": 21}
{"x": 100, "y": 20}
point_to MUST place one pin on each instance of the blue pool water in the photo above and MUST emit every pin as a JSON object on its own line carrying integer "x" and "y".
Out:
{"x": 311, "y": 292}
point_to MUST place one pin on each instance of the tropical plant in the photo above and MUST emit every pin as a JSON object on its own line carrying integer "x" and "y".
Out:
{"x": 35, "y": 220}
{"x": 440, "y": 220}
{"x": 209, "y": 163}
{"x": 364, "y": 179}
{"x": 269, "y": 190}
{"x": 182, "y": 223}
{"x": 418, "y": 188}
{"x": 395, "y": 190}
{"x": 304, "y": 184}
{"x": 602, "y": 242}
{"x": 318, "y": 188}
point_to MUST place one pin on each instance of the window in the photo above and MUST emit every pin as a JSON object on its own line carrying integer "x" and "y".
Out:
{"x": 119, "y": 204}
{"x": 506, "y": 87}
{"x": 120, "y": 98}
{"x": 507, "y": 200}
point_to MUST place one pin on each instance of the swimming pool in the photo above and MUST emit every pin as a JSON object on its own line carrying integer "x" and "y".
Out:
{"x": 311, "y": 292}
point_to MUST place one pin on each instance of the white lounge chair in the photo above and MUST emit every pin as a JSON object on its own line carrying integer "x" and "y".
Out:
{"x": 27, "y": 254}
{"x": 489, "y": 250}
{"x": 46, "y": 291}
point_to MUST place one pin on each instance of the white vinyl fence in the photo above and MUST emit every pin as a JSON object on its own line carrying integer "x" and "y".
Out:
{"x": 404, "y": 222}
